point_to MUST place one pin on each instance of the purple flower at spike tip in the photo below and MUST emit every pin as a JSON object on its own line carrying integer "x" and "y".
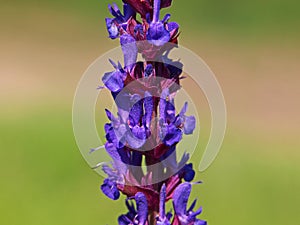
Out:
{"x": 119, "y": 21}
{"x": 185, "y": 216}
{"x": 158, "y": 34}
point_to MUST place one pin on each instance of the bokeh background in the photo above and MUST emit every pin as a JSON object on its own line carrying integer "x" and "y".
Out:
{"x": 252, "y": 46}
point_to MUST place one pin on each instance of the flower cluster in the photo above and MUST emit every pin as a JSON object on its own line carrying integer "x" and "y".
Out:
{"x": 147, "y": 128}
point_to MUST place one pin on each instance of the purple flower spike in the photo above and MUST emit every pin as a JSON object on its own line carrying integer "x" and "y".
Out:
{"x": 147, "y": 128}
{"x": 180, "y": 200}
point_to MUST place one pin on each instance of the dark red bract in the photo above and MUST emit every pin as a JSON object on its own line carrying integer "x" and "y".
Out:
{"x": 146, "y": 6}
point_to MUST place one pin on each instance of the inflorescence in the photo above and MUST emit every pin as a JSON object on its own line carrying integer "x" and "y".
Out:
{"x": 147, "y": 128}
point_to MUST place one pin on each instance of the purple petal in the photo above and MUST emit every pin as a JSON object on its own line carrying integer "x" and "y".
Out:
{"x": 113, "y": 80}
{"x": 139, "y": 132}
{"x": 110, "y": 172}
{"x": 192, "y": 205}
{"x": 142, "y": 207}
{"x": 164, "y": 222}
{"x": 109, "y": 188}
{"x": 110, "y": 135}
{"x": 188, "y": 172}
{"x": 129, "y": 49}
{"x": 148, "y": 18}
{"x": 114, "y": 64}
{"x": 136, "y": 111}
{"x": 200, "y": 222}
{"x": 133, "y": 141}
{"x": 107, "y": 127}
{"x": 162, "y": 199}
{"x": 148, "y": 70}
{"x": 184, "y": 109}
{"x": 193, "y": 215}
{"x": 181, "y": 197}
{"x": 175, "y": 67}
{"x": 156, "y": 10}
{"x": 119, "y": 157}
{"x": 169, "y": 215}
{"x": 162, "y": 105}
{"x": 189, "y": 125}
{"x": 170, "y": 112}
{"x": 148, "y": 105}
{"x": 112, "y": 28}
{"x": 166, "y": 18}
{"x": 172, "y": 26}
{"x": 172, "y": 135}
{"x": 119, "y": 17}
{"x": 128, "y": 12}
{"x": 130, "y": 206}
{"x": 138, "y": 31}
{"x": 109, "y": 115}
{"x": 157, "y": 34}
{"x": 122, "y": 100}
{"x": 121, "y": 133}
{"x": 112, "y": 151}
{"x": 114, "y": 11}
{"x": 124, "y": 220}
{"x": 169, "y": 159}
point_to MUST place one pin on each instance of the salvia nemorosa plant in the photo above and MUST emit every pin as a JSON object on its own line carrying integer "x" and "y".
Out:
{"x": 146, "y": 129}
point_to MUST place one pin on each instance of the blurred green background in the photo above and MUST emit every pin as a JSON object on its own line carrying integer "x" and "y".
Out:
{"x": 253, "y": 48}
